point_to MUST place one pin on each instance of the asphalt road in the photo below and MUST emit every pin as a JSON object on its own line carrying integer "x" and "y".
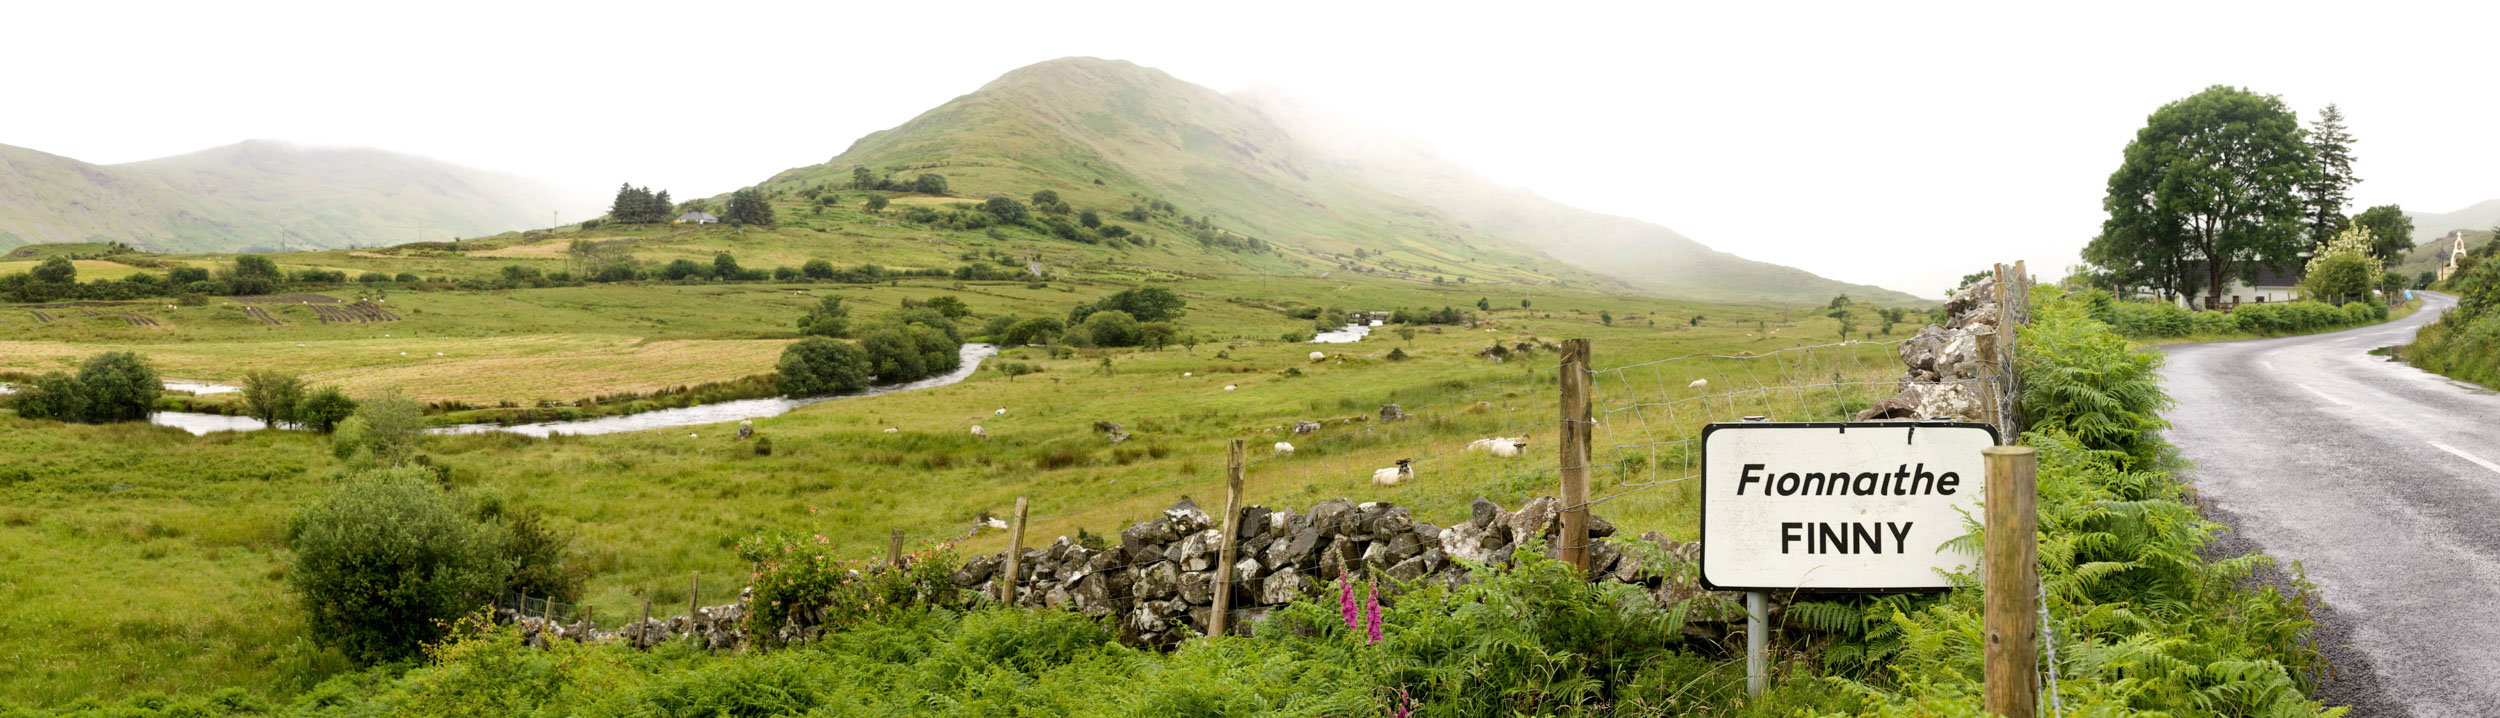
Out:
{"x": 2382, "y": 481}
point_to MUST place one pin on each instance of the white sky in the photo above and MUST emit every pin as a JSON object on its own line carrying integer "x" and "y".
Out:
{"x": 1855, "y": 141}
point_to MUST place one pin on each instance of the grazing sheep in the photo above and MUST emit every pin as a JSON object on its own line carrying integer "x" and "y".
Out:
{"x": 1501, "y": 446}
{"x": 1183, "y": 374}
{"x": 691, "y": 435}
{"x": 1393, "y": 475}
{"x": 976, "y": 431}
{"x": 1284, "y": 448}
{"x": 1000, "y": 524}
{"x": 1002, "y": 412}
{"x": 1698, "y": 384}
{"x": 746, "y": 429}
{"x": 1319, "y": 356}
{"x": 891, "y": 430}
{"x": 1230, "y": 387}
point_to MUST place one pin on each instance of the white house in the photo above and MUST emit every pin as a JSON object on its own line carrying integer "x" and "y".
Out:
{"x": 697, "y": 217}
{"x": 2273, "y": 284}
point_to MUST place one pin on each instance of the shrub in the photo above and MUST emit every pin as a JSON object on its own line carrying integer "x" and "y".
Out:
{"x": 1113, "y": 328}
{"x": 385, "y": 561}
{"x": 828, "y": 319}
{"x": 817, "y": 365}
{"x": 382, "y": 429}
{"x": 272, "y": 396}
{"x": 817, "y": 269}
{"x": 117, "y": 386}
{"x": 798, "y": 573}
{"x": 52, "y": 396}
{"x": 322, "y": 410}
{"x": 1037, "y": 330}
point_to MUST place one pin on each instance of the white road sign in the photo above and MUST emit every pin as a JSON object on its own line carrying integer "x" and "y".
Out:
{"x": 1838, "y": 506}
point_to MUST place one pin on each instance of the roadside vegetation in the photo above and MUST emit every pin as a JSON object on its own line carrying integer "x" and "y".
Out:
{"x": 2466, "y": 343}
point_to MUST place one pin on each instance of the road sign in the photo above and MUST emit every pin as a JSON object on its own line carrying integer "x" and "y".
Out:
{"x": 1832, "y": 506}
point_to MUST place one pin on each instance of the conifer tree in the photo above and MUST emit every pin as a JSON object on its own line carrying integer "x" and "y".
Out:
{"x": 2330, "y": 189}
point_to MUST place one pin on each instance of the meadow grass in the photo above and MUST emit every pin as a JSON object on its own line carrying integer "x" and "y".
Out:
{"x": 163, "y": 555}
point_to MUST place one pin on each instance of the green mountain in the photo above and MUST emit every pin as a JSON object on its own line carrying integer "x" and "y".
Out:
{"x": 262, "y": 195}
{"x": 1111, "y": 133}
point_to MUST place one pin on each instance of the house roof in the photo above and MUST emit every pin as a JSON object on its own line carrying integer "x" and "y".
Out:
{"x": 697, "y": 216}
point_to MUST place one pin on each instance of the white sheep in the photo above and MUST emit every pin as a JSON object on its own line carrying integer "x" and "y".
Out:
{"x": 1002, "y": 412}
{"x": 1393, "y": 475}
{"x": 1184, "y": 375}
{"x": 691, "y": 435}
{"x": 1000, "y": 524}
{"x": 1284, "y": 448}
{"x": 976, "y": 431}
{"x": 746, "y": 428}
{"x": 1230, "y": 387}
{"x": 891, "y": 430}
{"x": 1319, "y": 356}
{"x": 1698, "y": 384}
{"x": 1501, "y": 446}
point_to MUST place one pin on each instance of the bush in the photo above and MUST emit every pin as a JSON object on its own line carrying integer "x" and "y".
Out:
{"x": 828, "y": 319}
{"x": 382, "y": 429}
{"x": 384, "y": 562}
{"x": 406, "y": 278}
{"x": 1038, "y": 330}
{"x": 817, "y": 269}
{"x": 113, "y": 386}
{"x": 324, "y": 409}
{"x": 272, "y": 396}
{"x": 817, "y": 365}
{"x": 52, "y": 396}
{"x": 1113, "y": 328}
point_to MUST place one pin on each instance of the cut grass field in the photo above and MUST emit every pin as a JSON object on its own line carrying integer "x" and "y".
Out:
{"x": 165, "y": 553}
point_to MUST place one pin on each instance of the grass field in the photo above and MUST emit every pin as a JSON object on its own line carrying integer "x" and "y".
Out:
{"x": 168, "y": 551}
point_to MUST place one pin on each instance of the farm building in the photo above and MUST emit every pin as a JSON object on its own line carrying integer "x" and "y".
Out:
{"x": 697, "y": 217}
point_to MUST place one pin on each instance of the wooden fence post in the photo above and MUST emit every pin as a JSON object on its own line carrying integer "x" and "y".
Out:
{"x": 642, "y": 631}
{"x": 1576, "y": 436}
{"x": 1220, "y": 619}
{"x": 894, "y": 549}
{"x": 1015, "y": 555}
{"x": 2010, "y": 618}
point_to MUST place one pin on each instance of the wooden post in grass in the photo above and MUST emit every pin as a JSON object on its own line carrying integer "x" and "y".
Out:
{"x": 1575, "y": 453}
{"x": 1015, "y": 555}
{"x": 642, "y": 631}
{"x": 894, "y": 549}
{"x": 2010, "y": 618}
{"x": 1220, "y": 618}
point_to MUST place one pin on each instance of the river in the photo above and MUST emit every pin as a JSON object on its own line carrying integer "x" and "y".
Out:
{"x": 972, "y": 354}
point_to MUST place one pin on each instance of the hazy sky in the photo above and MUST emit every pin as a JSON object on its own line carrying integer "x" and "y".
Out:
{"x": 1900, "y": 147}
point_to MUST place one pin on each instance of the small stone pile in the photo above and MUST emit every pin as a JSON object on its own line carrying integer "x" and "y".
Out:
{"x": 1160, "y": 581}
{"x": 1944, "y": 361}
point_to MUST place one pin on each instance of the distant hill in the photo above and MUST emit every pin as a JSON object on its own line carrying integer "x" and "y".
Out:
{"x": 264, "y": 195}
{"x": 1647, "y": 255}
{"x": 1106, "y": 132}
{"x": 2428, "y": 226}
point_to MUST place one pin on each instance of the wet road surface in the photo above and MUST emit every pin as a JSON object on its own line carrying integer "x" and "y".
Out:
{"x": 2382, "y": 481}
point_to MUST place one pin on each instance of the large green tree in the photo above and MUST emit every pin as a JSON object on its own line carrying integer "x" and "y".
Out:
{"x": 2330, "y": 188}
{"x": 2214, "y": 178}
{"x": 2391, "y": 232}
